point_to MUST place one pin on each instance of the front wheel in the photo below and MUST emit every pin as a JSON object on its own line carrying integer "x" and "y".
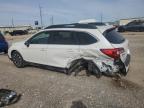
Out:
{"x": 17, "y": 59}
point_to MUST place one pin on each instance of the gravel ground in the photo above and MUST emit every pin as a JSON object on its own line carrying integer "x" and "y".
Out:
{"x": 41, "y": 88}
{"x": 136, "y": 43}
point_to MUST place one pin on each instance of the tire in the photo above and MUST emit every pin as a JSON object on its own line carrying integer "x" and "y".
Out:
{"x": 18, "y": 60}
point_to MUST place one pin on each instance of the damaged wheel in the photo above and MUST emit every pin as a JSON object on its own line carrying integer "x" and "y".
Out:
{"x": 92, "y": 68}
{"x": 18, "y": 60}
{"x": 97, "y": 72}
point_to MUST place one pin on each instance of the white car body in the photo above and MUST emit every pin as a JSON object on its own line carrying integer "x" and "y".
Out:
{"x": 62, "y": 56}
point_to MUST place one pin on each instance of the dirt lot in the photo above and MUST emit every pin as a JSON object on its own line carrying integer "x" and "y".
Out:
{"x": 41, "y": 88}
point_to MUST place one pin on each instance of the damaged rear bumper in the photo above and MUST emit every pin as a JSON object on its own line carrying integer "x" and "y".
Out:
{"x": 101, "y": 66}
{"x": 127, "y": 62}
{"x": 111, "y": 67}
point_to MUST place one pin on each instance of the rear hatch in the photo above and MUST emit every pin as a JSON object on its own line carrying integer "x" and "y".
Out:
{"x": 118, "y": 41}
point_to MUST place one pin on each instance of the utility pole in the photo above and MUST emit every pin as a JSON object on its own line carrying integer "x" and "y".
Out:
{"x": 12, "y": 22}
{"x": 40, "y": 9}
{"x": 101, "y": 17}
{"x": 52, "y": 20}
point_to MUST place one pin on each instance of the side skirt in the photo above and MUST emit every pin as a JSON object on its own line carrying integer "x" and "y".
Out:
{"x": 52, "y": 68}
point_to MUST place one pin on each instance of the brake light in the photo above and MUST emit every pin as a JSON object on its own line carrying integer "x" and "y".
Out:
{"x": 114, "y": 53}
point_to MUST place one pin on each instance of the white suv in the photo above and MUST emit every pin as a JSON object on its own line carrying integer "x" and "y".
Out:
{"x": 64, "y": 46}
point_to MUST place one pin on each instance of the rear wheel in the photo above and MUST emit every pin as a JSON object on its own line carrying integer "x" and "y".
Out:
{"x": 18, "y": 60}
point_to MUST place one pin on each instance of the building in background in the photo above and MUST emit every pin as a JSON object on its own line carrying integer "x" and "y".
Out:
{"x": 126, "y": 21}
{"x": 11, "y": 29}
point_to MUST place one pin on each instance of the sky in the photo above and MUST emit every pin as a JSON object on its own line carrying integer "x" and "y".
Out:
{"x": 25, "y": 12}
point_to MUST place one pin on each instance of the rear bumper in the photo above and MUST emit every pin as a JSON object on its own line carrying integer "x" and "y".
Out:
{"x": 111, "y": 67}
{"x": 108, "y": 67}
{"x": 127, "y": 63}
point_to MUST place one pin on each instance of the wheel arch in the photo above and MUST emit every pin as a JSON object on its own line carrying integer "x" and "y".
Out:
{"x": 85, "y": 63}
{"x": 22, "y": 62}
{"x": 14, "y": 51}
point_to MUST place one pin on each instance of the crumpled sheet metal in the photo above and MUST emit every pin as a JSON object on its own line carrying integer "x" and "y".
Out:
{"x": 96, "y": 66}
{"x": 8, "y": 97}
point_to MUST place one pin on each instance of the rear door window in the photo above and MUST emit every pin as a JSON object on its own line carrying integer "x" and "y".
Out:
{"x": 63, "y": 38}
{"x": 114, "y": 37}
{"x": 85, "y": 38}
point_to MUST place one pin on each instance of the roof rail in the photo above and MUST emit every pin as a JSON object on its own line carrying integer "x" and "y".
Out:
{"x": 97, "y": 23}
{"x": 74, "y": 25}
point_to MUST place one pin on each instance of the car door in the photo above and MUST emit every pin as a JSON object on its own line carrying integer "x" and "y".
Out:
{"x": 36, "y": 52}
{"x": 133, "y": 26}
{"x": 130, "y": 26}
{"x": 62, "y": 49}
{"x": 142, "y": 27}
{"x": 136, "y": 26}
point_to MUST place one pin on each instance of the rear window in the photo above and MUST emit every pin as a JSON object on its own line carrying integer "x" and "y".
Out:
{"x": 85, "y": 38}
{"x": 1, "y": 37}
{"x": 113, "y": 37}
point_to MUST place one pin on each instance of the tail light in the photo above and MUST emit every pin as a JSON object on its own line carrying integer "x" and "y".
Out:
{"x": 114, "y": 53}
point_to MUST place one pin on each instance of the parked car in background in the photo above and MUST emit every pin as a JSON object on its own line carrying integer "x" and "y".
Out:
{"x": 134, "y": 26}
{"x": 18, "y": 32}
{"x": 60, "y": 46}
{"x": 3, "y": 44}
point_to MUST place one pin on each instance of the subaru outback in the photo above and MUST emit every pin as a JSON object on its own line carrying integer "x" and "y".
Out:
{"x": 58, "y": 46}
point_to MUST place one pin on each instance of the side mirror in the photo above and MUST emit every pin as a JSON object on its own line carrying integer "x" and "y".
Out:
{"x": 27, "y": 43}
